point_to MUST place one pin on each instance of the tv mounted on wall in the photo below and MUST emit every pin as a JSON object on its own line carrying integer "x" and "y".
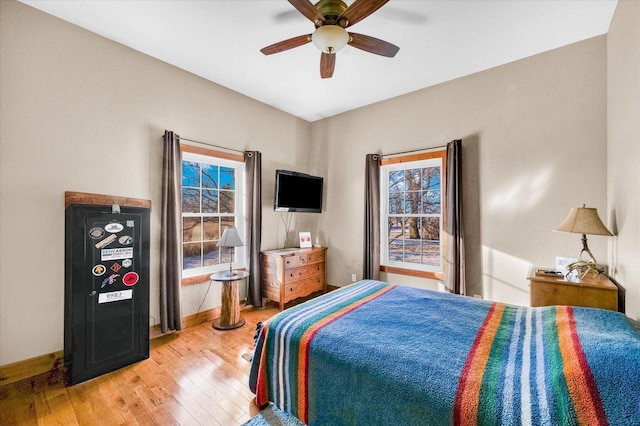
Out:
{"x": 298, "y": 192}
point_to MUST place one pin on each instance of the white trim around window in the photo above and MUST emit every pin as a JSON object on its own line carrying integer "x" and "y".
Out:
{"x": 412, "y": 214}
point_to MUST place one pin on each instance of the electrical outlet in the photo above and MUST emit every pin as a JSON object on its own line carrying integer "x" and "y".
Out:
{"x": 353, "y": 278}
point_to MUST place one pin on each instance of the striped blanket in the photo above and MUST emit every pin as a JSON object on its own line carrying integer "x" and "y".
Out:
{"x": 373, "y": 353}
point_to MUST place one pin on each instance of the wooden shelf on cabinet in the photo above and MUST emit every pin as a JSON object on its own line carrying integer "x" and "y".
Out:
{"x": 290, "y": 273}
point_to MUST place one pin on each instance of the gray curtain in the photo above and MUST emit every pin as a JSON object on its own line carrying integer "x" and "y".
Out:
{"x": 253, "y": 188}
{"x": 371, "y": 258}
{"x": 454, "y": 252}
{"x": 171, "y": 235}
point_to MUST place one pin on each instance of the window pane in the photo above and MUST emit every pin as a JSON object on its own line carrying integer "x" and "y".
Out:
{"x": 190, "y": 174}
{"x": 430, "y": 229}
{"x": 394, "y": 228}
{"x": 225, "y": 253}
{"x": 209, "y": 201}
{"x": 396, "y": 181}
{"x": 191, "y": 229}
{"x": 190, "y": 200}
{"x": 430, "y": 202}
{"x": 431, "y": 178}
{"x": 412, "y": 251}
{"x": 211, "y": 227}
{"x": 412, "y": 228}
{"x": 412, "y": 178}
{"x": 209, "y": 176}
{"x": 396, "y": 250}
{"x": 431, "y": 241}
{"x": 211, "y": 254}
{"x": 412, "y": 202}
{"x": 226, "y": 222}
{"x": 227, "y": 179}
{"x": 431, "y": 253}
{"x": 396, "y": 203}
{"x": 227, "y": 201}
{"x": 191, "y": 255}
{"x": 397, "y": 235}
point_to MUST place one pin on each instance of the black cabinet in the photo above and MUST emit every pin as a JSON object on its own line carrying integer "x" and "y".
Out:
{"x": 106, "y": 288}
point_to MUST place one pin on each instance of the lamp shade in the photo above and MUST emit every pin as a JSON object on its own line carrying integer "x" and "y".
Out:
{"x": 230, "y": 238}
{"x": 583, "y": 220}
{"x": 330, "y": 38}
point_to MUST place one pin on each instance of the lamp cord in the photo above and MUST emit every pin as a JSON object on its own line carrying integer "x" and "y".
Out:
{"x": 204, "y": 298}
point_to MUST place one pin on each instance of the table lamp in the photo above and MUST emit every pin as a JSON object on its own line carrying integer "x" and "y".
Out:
{"x": 230, "y": 238}
{"x": 584, "y": 220}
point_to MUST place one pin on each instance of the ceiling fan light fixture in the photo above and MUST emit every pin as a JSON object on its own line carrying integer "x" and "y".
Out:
{"x": 330, "y": 38}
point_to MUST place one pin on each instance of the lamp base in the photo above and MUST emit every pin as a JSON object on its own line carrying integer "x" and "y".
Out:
{"x": 584, "y": 268}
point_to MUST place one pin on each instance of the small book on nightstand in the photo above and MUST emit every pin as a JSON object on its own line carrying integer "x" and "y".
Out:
{"x": 548, "y": 272}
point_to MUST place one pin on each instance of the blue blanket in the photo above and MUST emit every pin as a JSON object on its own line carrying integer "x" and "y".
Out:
{"x": 373, "y": 353}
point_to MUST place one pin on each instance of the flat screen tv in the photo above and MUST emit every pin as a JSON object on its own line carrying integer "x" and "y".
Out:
{"x": 297, "y": 192}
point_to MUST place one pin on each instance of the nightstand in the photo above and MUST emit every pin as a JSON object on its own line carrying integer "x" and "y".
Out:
{"x": 230, "y": 308}
{"x": 590, "y": 292}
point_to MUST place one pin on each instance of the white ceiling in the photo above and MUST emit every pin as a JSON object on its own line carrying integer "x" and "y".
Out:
{"x": 439, "y": 41}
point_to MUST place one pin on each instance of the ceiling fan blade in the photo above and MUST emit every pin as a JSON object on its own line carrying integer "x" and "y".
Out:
{"x": 359, "y": 10}
{"x": 308, "y": 9}
{"x": 283, "y": 45}
{"x": 327, "y": 64}
{"x": 373, "y": 45}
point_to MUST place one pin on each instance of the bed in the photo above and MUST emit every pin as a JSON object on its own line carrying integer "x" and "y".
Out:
{"x": 374, "y": 353}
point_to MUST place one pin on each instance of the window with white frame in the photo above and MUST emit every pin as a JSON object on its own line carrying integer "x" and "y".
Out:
{"x": 212, "y": 196}
{"x": 412, "y": 214}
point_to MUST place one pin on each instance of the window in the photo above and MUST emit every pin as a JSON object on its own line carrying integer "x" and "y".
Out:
{"x": 212, "y": 196}
{"x": 411, "y": 218}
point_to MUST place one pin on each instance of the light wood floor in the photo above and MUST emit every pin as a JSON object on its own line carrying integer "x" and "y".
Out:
{"x": 195, "y": 377}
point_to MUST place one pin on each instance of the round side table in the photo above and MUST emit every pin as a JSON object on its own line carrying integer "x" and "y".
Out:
{"x": 230, "y": 308}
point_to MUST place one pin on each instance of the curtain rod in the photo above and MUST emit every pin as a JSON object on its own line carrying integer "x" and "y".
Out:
{"x": 414, "y": 150}
{"x": 210, "y": 144}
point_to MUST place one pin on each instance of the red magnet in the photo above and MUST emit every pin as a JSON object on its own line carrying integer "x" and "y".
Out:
{"x": 130, "y": 278}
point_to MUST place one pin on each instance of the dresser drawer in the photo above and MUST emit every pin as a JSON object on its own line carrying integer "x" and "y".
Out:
{"x": 303, "y": 287}
{"x": 317, "y": 256}
{"x": 295, "y": 261}
{"x": 295, "y": 274}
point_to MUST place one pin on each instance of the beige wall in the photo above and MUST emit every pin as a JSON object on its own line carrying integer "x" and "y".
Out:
{"x": 623, "y": 149}
{"x": 534, "y": 145}
{"x": 82, "y": 113}
{"x": 79, "y": 112}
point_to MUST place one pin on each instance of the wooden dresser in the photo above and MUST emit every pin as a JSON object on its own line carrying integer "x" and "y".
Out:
{"x": 590, "y": 292}
{"x": 291, "y": 273}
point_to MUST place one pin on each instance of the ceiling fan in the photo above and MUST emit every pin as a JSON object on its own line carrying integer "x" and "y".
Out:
{"x": 331, "y": 17}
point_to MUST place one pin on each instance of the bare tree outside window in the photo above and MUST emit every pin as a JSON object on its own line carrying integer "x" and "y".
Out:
{"x": 414, "y": 214}
{"x": 208, "y": 206}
